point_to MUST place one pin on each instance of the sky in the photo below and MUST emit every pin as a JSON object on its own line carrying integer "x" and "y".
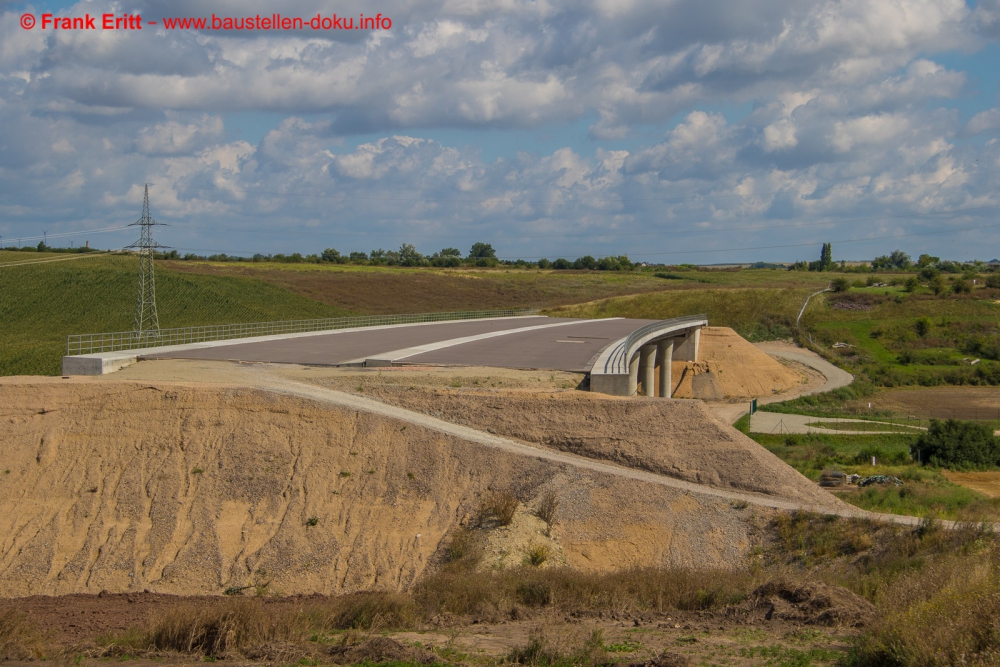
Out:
{"x": 674, "y": 131}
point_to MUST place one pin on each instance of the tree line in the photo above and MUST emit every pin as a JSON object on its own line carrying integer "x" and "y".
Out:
{"x": 479, "y": 255}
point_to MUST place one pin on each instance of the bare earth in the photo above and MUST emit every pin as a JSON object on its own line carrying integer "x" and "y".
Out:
{"x": 941, "y": 402}
{"x": 987, "y": 483}
{"x": 74, "y": 621}
{"x": 126, "y": 483}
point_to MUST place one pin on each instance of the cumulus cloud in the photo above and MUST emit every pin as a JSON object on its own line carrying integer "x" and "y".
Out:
{"x": 846, "y": 114}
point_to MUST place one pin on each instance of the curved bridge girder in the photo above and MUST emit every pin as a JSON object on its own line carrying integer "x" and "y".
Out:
{"x": 652, "y": 346}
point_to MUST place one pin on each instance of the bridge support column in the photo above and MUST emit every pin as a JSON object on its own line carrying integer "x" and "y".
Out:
{"x": 633, "y": 375}
{"x": 664, "y": 357}
{"x": 647, "y": 369}
{"x": 688, "y": 349}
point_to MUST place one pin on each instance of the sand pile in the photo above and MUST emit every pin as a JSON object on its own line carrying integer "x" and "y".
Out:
{"x": 192, "y": 489}
{"x": 678, "y": 438}
{"x": 730, "y": 367}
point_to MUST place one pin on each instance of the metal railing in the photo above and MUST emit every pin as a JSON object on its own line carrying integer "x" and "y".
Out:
{"x": 135, "y": 340}
{"x": 617, "y": 361}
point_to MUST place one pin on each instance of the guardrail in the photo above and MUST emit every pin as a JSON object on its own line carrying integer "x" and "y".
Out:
{"x": 617, "y": 361}
{"x": 77, "y": 344}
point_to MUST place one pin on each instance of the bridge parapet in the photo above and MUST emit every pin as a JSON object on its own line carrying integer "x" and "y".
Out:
{"x": 616, "y": 370}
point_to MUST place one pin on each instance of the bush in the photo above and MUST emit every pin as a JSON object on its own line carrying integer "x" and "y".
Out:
{"x": 499, "y": 505}
{"x": 840, "y": 285}
{"x": 547, "y": 508}
{"x": 961, "y": 286}
{"x": 993, "y": 280}
{"x": 958, "y": 444}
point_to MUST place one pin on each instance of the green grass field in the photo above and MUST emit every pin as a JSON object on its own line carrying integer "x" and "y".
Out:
{"x": 40, "y": 304}
{"x": 925, "y": 491}
{"x": 46, "y": 296}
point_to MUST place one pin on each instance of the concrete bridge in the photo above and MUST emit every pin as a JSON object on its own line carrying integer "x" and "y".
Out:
{"x": 621, "y": 366}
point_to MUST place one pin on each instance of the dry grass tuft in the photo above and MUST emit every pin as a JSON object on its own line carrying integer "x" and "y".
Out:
{"x": 493, "y": 595}
{"x": 537, "y": 554}
{"x": 464, "y": 549}
{"x": 499, "y": 505}
{"x": 547, "y": 508}
{"x": 232, "y": 627}
{"x": 945, "y": 614}
{"x": 19, "y": 637}
{"x": 365, "y": 611}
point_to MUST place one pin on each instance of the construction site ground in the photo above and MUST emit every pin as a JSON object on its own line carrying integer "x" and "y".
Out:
{"x": 734, "y": 637}
{"x": 125, "y": 494}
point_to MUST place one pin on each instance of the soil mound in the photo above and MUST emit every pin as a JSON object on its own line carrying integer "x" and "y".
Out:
{"x": 379, "y": 650}
{"x": 730, "y": 367}
{"x": 199, "y": 489}
{"x": 812, "y": 603}
{"x": 677, "y": 438}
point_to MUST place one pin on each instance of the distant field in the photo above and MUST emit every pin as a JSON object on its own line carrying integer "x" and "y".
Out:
{"x": 385, "y": 290}
{"x": 756, "y": 314}
{"x": 41, "y": 303}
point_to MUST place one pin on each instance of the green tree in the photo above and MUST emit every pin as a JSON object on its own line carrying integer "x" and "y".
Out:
{"x": 961, "y": 444}
{"x": 585, "y": 262}
{"x": 927, "y": 260}
{"x": 331, "y": 255}
{"x": 897, "y": 260}
{"x": 450, "y": 252}
{"x": 544, "y": 263}
{"x": 826, "y": 257}
{"x": 922, "y": 326}
{"x": 408, "y": 255}
{"x": 482, "y": 251}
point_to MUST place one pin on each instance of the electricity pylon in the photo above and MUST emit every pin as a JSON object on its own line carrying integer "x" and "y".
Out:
{"x": 146, "y": 323}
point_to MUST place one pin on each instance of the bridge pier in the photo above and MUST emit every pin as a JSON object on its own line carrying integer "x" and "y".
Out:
{"x": 621, "y": 366}
{"x": 647, "y": 369}
{"x": 664, "y": 357}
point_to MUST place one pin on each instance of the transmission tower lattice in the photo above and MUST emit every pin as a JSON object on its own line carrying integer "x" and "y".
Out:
{"x": 146, "y": 324}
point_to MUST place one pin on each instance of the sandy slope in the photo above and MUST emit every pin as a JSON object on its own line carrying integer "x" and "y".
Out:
{"x": 731, "y": 367}
{"x": 192, "y": 488}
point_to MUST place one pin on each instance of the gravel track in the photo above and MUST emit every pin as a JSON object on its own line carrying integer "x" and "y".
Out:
{"x": 264, "y": 380}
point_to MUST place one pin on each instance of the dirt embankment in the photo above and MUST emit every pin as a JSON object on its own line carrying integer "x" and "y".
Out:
{"x": 190, "y": 489}
{"x": 730, "y": 367}
{"x": 677, "y": 438}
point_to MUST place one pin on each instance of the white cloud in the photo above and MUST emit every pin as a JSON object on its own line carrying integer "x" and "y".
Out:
{"x": 841, "y": 110}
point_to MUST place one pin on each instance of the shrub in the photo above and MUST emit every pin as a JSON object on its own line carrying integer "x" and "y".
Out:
{"x": 840, "y": 285}
{"x": 961, "y": 286}
{"x": 958, "y": 444}
{"x": 993, "y": 280}
{"x": 499, "y": 505}
{"x": 464, "y": 549}
{"x": 547, "y": 508}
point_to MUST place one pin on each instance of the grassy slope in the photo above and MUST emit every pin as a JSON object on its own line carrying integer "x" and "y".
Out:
{"x": 40, "y": 304}
{"x": 756, "y": 314}
{"x": 378, "y": 290}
